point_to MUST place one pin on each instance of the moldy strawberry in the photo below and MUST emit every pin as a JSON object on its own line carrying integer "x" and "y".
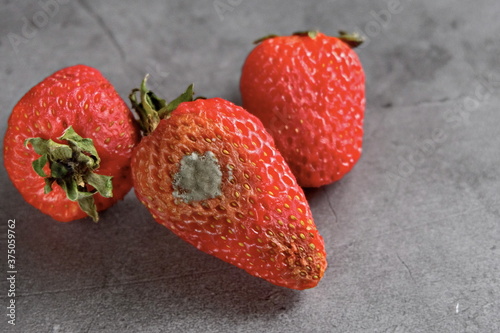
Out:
{"x": 209, "y": 171}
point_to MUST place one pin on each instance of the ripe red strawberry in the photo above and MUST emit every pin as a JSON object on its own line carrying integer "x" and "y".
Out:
{"x": 210, "y": 173}
{"x": 69, "y": 137}
{"x": 308, "y": 90}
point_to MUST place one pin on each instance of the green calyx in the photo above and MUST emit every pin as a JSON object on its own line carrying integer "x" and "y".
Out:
{"x": 152, "y": 109}
{"x": 72, "y": 167}
{"x": 352, "y": 39}
{"x": 312, "y": 34}
{"x": 260, "y": 40}
{"x": 308, "y": 33}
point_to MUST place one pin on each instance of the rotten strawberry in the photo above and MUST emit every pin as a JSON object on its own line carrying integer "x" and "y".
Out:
{"x": 209, "y": 171}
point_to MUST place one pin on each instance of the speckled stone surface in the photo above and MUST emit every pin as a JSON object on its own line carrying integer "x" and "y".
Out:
{"x": 412, "y": 233}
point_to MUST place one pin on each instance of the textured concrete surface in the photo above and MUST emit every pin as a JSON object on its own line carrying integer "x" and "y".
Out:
{"x": 412, "y": 233}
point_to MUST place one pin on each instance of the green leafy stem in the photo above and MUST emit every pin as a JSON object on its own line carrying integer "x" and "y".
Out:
{"x": 151, "y": 108}
{"x": 352, "y": 39}
{"x": 71, "y": 167}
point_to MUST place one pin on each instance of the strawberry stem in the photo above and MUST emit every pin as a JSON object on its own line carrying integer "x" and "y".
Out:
{"x": 258, "y": 41}
{"x": 309, "y": 33}
{"x": 352, "y": 39}
{"x": 72, "y": 167}
{"x": 152, "y": 109}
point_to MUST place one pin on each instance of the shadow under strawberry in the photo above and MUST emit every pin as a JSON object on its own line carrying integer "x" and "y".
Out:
{"x": 151, "y": 278}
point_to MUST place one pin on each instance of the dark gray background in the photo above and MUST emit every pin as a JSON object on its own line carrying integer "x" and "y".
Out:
{"x": 412, "y": 233}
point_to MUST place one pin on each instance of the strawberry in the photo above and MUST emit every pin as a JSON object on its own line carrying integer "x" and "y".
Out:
{"x": 308, "y": 90}
{"x": 69, "y": 138}
{"x": 209, "y": 172}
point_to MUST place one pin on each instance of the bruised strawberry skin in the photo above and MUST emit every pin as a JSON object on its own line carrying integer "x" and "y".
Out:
{"x": 309, "y": 93}
{"x": 259, "y": 220}
{"x": 81, "y": 97}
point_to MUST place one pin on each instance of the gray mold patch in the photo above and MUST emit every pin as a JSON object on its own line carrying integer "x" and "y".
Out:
{"x": 230, "y": 174}
{"x": 199, "y": 178}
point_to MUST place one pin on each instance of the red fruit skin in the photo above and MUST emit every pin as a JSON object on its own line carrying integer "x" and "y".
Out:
{"x": 310, "y": 95}
{"x": 81, "y": 97}
{"x": 261, "y": 222}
